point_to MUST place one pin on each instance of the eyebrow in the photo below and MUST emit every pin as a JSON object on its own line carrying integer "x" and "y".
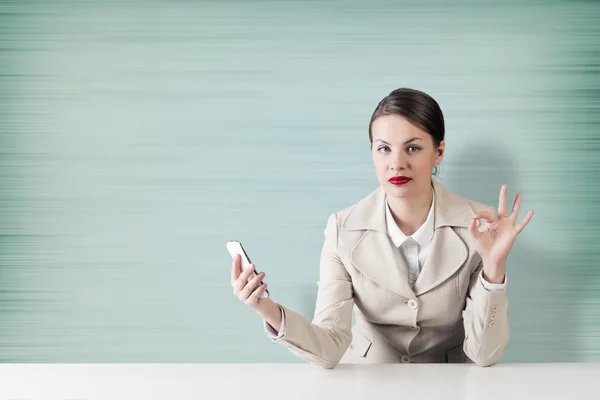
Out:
{"x": 408, "y": 141}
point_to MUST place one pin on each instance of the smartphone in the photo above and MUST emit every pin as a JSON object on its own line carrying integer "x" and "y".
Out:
{"x": 235, "y": 247}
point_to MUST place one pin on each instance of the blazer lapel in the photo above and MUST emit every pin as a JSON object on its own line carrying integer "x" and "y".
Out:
{"x": 374, "y": 254}
{"x": 379, "y": 260}
{"x": 447, "y": 251}
{"x": 446, "y": 255}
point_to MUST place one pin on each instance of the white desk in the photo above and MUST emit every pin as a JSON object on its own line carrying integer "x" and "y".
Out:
{"x": 298, "y": 381}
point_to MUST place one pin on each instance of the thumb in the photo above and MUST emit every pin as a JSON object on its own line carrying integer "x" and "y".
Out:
{"x": 236, "y": 267}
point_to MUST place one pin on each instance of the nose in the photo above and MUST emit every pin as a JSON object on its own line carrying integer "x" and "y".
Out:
{"x": 398, "y": 162}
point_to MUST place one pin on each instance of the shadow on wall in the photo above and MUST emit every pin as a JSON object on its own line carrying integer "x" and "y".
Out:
{"x": 541, "y": 314}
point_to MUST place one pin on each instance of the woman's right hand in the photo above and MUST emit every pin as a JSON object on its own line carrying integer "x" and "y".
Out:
{"x": 249, "y": 293}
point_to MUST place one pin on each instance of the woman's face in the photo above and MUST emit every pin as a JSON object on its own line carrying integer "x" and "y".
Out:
{"x": 401, "y": 149}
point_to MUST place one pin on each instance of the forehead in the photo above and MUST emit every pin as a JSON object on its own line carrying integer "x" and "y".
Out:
{"x": 394, "y": 128}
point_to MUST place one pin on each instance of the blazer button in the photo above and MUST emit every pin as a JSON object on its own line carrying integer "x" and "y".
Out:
{"x": 493, "y": 317}
{"x": 405, "y": 359}
{"x": 491, "y": 324}
{"x": 412, "y": 304}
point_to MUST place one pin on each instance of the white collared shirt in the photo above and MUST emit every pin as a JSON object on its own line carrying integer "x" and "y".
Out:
{"x": 413, "y": 248}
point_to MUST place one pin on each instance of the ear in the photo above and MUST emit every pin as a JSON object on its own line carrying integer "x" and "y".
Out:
{"x": 440, "y": 152}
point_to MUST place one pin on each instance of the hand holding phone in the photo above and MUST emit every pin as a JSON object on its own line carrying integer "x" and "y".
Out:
{"x": 249, "y": 288}
{"x": 246, "y": 281}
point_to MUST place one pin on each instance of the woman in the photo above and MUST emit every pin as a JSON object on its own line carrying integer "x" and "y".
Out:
{"x": 424, "y": 268}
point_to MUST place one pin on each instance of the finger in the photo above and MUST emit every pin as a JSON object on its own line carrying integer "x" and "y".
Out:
{"x": 502, "y": 202}
{"x": 488, "y": 216}
{"x": 250, "y": 286}
{"x": 473, "y": 229}
{"x": 246, "y": 273}
{"x": 255, "y": 296}
{"x": 242, "y": 280}
{"x": 525, "y": 221}
{"x": 236, "y": 268}
{"x": 516, "y": 208}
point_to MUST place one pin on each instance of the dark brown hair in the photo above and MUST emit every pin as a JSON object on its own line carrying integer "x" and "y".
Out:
{"x": 419, "y": 108}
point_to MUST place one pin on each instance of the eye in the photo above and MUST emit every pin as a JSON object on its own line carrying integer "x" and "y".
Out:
{"x": 417, "y": 148}
{"x": 383, "y": 147}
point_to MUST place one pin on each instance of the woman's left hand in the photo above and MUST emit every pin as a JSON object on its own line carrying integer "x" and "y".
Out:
{"x": 495, "y": 242}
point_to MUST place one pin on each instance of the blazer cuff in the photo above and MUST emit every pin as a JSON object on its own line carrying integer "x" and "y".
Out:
{"x": 492, "y": 287}
{"x": 484, "y": 300}
{"x": 271, "y": 332}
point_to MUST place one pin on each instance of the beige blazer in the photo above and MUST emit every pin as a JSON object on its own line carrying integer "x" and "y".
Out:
{"x": 448, "y": 317}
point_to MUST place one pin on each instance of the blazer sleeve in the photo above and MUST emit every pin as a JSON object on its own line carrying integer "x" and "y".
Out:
{"x": 324, "y": 340}
{"x": 485, "y": 320}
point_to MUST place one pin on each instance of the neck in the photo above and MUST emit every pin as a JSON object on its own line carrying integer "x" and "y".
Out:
{"x": 411, "y": 212}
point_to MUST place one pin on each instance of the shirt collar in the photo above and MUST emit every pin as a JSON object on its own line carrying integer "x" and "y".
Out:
{"x": 422, "y": 236}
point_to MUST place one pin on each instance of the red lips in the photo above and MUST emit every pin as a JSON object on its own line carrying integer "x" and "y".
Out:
{"x": 399, "y": 180}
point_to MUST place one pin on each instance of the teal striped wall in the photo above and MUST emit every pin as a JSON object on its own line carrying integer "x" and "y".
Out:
{"x": 136, "y": 138}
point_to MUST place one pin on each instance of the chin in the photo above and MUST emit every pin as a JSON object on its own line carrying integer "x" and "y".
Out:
{"x": 396, "y": 191}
